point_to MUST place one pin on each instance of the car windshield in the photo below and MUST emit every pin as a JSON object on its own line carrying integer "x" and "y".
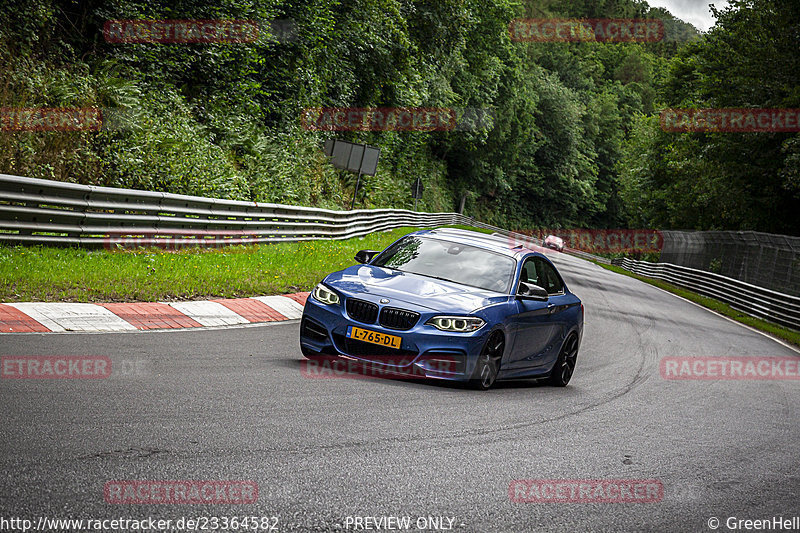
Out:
{"x": 450, "y": 261}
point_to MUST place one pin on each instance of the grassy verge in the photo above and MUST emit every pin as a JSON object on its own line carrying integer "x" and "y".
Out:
{"x": 45, "y": 274}
{"x": 722, "y": 308}
{"x": 75, "y": 275}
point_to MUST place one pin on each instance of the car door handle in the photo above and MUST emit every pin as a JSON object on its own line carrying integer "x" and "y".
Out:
{"x": 551, "y": 307}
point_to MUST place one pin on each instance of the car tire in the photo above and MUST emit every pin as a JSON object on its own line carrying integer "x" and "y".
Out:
{"x": 565, "y": 364}
{"x": 488, "y": 365}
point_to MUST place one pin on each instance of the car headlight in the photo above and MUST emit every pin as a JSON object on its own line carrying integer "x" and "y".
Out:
{"x": 323, "y": 294}
{"x": 460, "y": 324}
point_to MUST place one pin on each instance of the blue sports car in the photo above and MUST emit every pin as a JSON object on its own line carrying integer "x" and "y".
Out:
{"x": 448, "y": 304}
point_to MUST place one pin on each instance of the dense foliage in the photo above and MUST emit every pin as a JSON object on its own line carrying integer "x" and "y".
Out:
{"x": 723, "y": 180}
{"x": 572, "y": 139}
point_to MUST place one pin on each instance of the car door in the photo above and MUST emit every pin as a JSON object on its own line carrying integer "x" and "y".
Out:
{"x": 558, "y": 302}
{"x": 532, "y": 324}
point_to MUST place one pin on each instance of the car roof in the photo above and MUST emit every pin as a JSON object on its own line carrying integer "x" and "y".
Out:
{"x": 494, "y": 242}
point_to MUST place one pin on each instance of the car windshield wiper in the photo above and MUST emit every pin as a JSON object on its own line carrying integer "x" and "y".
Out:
{"x": 439, "y": 278}
{"x": 456, "y": 282}
{"x": 425, "y": 275}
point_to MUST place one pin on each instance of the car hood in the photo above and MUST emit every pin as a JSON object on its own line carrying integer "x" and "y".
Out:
{"x": 436, "y": 295}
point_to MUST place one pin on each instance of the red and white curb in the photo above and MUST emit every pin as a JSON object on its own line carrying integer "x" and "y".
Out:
{"x": 31, "y": 317}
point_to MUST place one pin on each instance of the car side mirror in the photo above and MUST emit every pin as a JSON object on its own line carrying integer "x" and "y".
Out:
{"x": 529, "y": 290}
{"x": 365, "y": 256}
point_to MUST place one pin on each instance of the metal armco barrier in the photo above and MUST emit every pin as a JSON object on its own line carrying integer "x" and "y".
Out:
{"x": 756, "y": 301}
{"x": 54, "y": 213}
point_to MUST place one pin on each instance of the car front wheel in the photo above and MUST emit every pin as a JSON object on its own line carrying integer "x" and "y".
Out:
{"x": 488, "y": 364}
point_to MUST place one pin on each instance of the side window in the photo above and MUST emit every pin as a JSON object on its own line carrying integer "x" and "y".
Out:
{"x": 529, "y": 273}
{"x": 548, "y": 277}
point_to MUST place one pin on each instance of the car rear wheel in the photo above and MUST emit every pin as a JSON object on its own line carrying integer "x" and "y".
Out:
{"x": 565, "y": 364}
{"x": 488, "y": 365}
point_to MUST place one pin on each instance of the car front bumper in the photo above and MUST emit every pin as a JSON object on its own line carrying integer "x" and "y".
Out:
{"x": 425, "y": 351}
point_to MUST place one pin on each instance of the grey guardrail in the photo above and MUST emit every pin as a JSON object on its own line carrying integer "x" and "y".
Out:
{"x": 54, "y": 213}
{"x": 756, "y": 301}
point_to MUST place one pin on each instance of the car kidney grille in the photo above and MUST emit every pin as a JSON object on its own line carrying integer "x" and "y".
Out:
{"x": 362, "y": 311}
{"x": 398, "y": 318}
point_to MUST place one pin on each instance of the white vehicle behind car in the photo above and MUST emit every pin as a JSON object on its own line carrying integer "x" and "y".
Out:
{"x": 556, "y": 243}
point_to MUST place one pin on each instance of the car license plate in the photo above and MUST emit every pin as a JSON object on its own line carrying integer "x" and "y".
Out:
{"x": 374, "y": 337}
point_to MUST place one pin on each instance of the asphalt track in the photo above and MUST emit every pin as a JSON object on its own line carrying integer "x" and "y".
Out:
{"x": 233, "y": 404}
